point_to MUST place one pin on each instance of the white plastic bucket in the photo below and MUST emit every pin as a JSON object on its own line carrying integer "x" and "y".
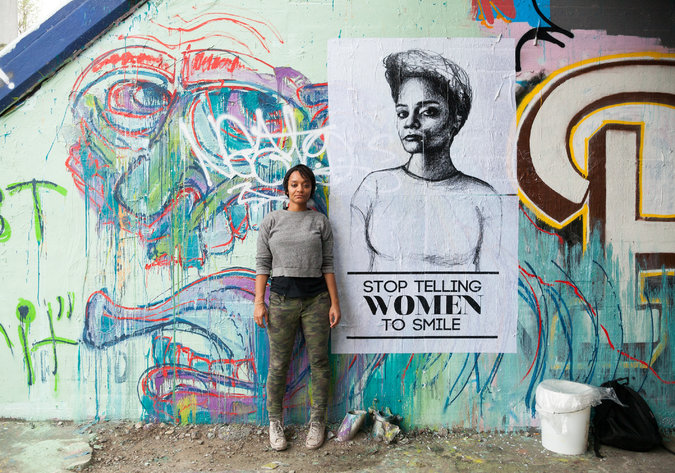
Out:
{"x": 564, "y": 408}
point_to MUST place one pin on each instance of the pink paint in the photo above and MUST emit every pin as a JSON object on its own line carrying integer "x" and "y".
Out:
{"x": 487, "y": 10}
{"x": 547, "y": 57}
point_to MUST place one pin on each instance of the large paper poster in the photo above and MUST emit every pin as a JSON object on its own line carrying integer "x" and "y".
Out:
{"x": 422, "y": 198}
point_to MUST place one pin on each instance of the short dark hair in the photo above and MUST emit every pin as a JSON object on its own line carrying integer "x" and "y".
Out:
{"x": 305, "y": 172}
{"x": 446, "y": 78}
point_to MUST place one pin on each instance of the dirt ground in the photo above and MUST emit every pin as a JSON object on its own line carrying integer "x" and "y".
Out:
{"x": 159, "y": 448}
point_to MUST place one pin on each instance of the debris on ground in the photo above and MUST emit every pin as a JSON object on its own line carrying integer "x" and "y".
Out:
{"x": 158, "y": 448}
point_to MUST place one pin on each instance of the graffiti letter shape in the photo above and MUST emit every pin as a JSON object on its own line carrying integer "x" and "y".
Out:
{"x": 34, "y": 185}
{"x": 108, "y": 323}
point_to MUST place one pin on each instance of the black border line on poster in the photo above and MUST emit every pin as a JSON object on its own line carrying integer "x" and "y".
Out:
{"x": 417, "y": 337}
{"x": 363, "y": 273}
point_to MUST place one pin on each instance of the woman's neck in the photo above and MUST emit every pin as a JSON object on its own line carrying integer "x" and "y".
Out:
{"x": 293, "y": 207}
{"x": 433, "y": 167}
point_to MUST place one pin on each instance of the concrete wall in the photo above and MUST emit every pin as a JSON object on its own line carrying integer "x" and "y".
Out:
{"x": 127, "y": 274}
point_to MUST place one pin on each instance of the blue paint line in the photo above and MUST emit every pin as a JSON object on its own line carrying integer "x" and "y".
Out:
{"x": 587, "y": 308}
{"x": 538, "y": 367}
{"x": 527, "y": 296}
{"x": 565, "y": 329}
{"x": 449, "y": 401}
{"x": 468, "y": 378}
{"x": 596, "y": 349}
{"x": 429, "y": 360}
{"x": 437, "y": 359}
{"x": 477, "y": 371}
{"x": 620, "y": 315}
{"x": 478, "y": 386}
{"x": 568, "y": 327}
{"x": 651, "y": 354}
{"x": 528, "y": 399}
{"x": 488, "y": 381}
{"x": 545, "y": 324}
{"x": 77, "y": 455}
{"x": 493, "y": 373}
{"x": 63, "y": 119}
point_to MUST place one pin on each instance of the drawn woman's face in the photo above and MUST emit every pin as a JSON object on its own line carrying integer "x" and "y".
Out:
{"x": 423, "y": 117}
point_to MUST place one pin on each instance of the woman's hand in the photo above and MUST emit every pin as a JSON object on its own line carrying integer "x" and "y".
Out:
{"x": 334, "y": 315}
{"x": 334, "y": 312}
{"x": 260, "y": 315}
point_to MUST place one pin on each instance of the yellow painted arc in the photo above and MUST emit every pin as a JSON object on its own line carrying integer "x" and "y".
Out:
{"x": 654, "y": 273}
{"x": 643, "y": 275}
{"x": 597, "y": 60}
{"x": 583, "y": 212}
{"x": 656, "y": 216}
{"x": 663, "y": 340}
{"x": 584, "y": 170}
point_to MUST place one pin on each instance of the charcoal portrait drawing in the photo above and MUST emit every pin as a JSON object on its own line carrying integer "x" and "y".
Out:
{"x": 457, "y": 216}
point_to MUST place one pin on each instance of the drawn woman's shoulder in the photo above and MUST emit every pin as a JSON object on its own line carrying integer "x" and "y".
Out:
{"x": 381, "y": 179}
{"x": 473, "y": 185}
{"x": 373, "y": 186}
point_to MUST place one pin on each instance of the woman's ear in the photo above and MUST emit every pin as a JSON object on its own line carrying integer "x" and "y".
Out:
{"x": 456, "y": 125}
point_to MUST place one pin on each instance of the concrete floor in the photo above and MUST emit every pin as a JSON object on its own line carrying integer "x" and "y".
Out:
{"x": 42, "y": 447}
{"x": 58, "y": 447}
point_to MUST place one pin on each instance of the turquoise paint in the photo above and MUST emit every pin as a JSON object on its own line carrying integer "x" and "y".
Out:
{"x": 572, "y": 346}
{"x": 525, "y": 12}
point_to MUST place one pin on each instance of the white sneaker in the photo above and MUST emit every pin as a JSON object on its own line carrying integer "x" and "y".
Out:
{"x": 277, "y": 438}
{"x": 316, "y": 434}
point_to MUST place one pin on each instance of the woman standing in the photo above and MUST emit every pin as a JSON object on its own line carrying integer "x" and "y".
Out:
{"x": 295, "y": 248}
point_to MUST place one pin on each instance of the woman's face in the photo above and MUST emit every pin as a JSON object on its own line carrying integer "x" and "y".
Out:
{"x": 299, "y": 189}
{"x": 423, "y": 117}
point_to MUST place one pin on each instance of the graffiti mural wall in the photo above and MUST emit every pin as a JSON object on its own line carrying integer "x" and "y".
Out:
{"x": 133, "y": 183}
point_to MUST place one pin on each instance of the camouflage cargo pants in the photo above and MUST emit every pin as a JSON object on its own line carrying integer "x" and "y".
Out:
{"x": 286, "y": 315}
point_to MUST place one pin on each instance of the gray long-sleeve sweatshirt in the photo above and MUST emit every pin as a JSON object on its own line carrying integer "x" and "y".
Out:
{"x": 295, "y": 244}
